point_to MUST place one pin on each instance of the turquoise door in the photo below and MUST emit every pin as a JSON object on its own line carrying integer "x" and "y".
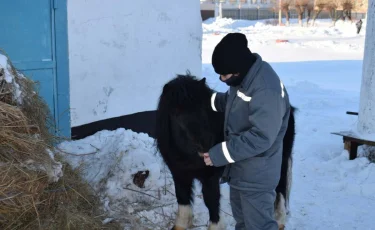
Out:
{"x": 33, "y": 34}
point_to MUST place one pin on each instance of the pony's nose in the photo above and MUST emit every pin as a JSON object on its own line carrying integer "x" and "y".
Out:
{"x": 201, "y": 149}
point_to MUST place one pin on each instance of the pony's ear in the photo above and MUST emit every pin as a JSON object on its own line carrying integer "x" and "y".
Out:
{"x": 203, "y": 80}
{"x": 165, "y": 87}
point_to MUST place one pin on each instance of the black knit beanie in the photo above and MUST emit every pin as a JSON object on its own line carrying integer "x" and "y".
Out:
{"x": 231, "y": 55}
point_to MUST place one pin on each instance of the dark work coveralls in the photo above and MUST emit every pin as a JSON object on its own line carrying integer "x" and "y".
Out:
{"x": 256, "y": 119}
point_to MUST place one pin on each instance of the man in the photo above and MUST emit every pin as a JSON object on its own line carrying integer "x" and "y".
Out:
{"x": 359, "y": 26}
{"x": 256, "y": 110}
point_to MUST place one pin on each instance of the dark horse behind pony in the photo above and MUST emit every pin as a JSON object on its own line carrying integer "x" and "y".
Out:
{"x": 185, "y": 126}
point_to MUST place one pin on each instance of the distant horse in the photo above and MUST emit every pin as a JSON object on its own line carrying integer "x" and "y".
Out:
{"x": 185, "y": 126}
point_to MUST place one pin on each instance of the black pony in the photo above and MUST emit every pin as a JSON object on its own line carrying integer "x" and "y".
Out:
{"x": 186, "y": 126}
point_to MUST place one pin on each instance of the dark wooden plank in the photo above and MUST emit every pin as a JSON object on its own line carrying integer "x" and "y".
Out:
{"x": 142, "y": 122}
{"x": 351, "y": 113}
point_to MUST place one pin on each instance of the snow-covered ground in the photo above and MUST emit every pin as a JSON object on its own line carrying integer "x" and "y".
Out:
{"x": 321, "y": 67}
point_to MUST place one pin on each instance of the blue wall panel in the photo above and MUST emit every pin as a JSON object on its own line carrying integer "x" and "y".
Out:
{"x": 34, "y": 35}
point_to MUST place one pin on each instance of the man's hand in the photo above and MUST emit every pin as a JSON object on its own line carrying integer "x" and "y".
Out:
{"x": 207, "y": 159}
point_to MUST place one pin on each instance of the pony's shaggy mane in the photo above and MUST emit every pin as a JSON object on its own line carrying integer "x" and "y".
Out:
{"x": 177, "y": 94}
{"x": 175, "y": 99}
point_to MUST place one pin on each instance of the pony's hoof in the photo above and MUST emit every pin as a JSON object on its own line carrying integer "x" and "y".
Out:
{"x": 281, "y": 227}
{"x": 178, "y": 228}
{"x": 184, "y": 218}
{"x": 217, "y": 226}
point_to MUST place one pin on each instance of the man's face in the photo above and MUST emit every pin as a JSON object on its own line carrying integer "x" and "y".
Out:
{"x": 227, "y": 76}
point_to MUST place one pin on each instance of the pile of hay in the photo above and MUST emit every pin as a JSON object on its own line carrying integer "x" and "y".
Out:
{"x": 36, "y": 190}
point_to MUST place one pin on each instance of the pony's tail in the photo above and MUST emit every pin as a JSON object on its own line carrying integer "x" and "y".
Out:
{"x": 285, "y": 183}
{"x": 287, "y": 160}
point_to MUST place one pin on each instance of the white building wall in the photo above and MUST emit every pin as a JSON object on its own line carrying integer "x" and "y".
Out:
{"x": 366, "y": 118}
{"x": 121, "y": 52}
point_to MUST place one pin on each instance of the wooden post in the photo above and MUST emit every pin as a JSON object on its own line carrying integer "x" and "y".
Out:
{"x": 216, "y": 8}
{"x": 352, "y": 148}
{"x": 280, "y": 15}
{"x": 366, "y": 116}
{"x": 239, "y": 8}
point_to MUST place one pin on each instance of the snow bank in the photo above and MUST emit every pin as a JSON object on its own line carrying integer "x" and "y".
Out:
{"x": 114, "y": 156}
{"x": 109, "y": 159}
{"x": 260, "y": 33}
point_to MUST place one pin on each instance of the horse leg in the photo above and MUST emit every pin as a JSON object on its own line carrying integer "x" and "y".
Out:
{"x": 184, "y": 195}
{"x": 280, "y": 210}
{"x": 211, "y": 197}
